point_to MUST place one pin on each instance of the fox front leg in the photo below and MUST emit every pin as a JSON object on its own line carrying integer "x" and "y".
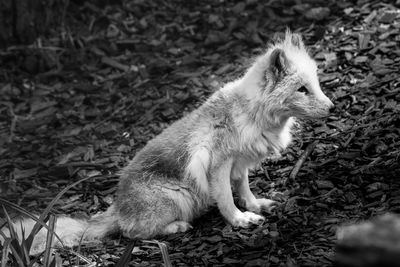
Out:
{"x": 222, "y": 193}
{"x": 246, "y": 197}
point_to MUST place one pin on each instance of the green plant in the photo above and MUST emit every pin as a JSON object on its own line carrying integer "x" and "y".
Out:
{"x": 15, "y": 249}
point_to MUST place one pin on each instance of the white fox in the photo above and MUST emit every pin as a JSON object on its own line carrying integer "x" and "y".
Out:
{"x": 194, "y": 162}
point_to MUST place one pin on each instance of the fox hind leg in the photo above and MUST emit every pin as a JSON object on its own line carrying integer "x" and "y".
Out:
{"x": 151, "y": 210}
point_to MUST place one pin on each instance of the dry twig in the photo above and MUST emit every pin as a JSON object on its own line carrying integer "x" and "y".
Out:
{"x": 309, "y": 149}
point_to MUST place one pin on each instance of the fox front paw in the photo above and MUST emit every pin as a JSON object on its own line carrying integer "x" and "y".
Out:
{"x": 245, "y": 219}
{"x": 260, "y": 204}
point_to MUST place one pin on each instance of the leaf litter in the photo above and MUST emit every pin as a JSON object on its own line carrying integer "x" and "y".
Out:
{"x": 141, "y": 65}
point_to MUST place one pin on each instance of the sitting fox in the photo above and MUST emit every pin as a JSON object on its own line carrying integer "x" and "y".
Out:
{"x": 196, "y": 161}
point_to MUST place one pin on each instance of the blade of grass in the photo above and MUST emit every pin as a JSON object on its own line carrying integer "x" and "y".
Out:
{"x": 126, "y": 257}
{"x": 49, "y": 241}
{"x": 11, "y": 229}
{"x": 30, "y": 215}
{"x": 29, "y": 240}
{"x": 85, "y": 259}
{"x": 24, "y": 249}
{"x": 79, "y": 248}
{"x": 52, "y": 262}
{"x": 17, "y": 250}
{"x": 35, "y": 260}
{"x": 15, "y": 253}
{"x": 2, "y": 234}
{"x": 164, "y": 252}
{"x": 56, "y": 261}
{"x": 5, "y": 221}
{"x": 4, "y": 253}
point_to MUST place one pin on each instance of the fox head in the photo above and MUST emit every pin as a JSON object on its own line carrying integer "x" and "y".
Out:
{"x": 284, "y": 79}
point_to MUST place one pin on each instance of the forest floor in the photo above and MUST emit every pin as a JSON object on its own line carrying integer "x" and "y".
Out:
{"x": 82, "y": 105}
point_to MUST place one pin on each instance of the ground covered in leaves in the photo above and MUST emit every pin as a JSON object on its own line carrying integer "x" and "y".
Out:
{"x": 80, "y": 104}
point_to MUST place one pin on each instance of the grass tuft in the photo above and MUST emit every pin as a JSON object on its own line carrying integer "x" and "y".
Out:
{"x": 15, "y": 249}
{"x": 15, "y": 252}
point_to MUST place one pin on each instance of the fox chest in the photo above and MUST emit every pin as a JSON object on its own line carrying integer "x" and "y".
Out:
{"x": 260, "y": 145}
{"x": 258, "y": 149}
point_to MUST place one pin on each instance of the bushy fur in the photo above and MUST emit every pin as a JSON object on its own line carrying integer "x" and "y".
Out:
{"x": 193, "y": 163}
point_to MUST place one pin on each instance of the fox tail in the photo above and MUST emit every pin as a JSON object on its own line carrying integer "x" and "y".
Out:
{"x": 72, "y": 232}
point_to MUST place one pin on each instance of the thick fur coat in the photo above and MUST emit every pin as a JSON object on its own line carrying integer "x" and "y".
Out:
{"x": 199, "y": 159}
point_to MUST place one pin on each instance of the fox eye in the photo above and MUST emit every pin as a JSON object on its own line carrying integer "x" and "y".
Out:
{"x": 303, "y": 89}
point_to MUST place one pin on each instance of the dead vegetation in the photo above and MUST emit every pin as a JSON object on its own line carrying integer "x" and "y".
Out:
{"x": 81, "y": 106}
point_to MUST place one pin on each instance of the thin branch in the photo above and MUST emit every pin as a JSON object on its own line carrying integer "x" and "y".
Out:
{"x": 309, "y": 149}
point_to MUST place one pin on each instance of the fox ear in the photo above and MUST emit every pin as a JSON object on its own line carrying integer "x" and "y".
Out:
{"x": 297, "y": 40}
{"x": 279, "y": 62}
